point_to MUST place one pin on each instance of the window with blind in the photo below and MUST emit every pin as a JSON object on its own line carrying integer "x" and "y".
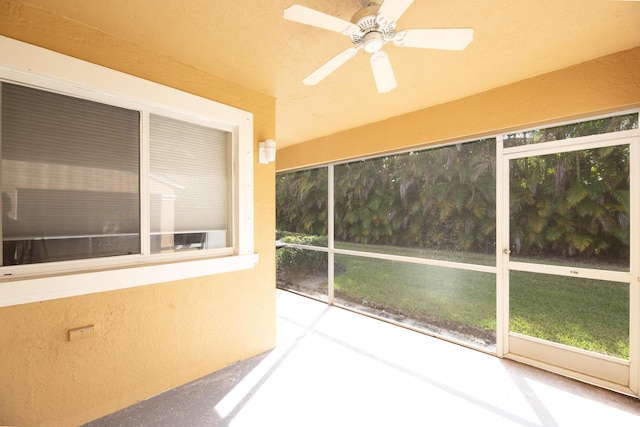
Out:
{"x": 71, "y": 173}
{"x": 188, "y": 174}
{"x": 110, "y": 181}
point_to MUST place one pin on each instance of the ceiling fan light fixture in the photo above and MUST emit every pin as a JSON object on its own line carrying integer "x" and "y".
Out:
{"x": 373, "y": 41}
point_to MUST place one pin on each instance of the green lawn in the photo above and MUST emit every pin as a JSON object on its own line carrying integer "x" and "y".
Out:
{"x": 456, "y": 295}
{"x": 592, "y": 315}
{"x": 588, "y": 314}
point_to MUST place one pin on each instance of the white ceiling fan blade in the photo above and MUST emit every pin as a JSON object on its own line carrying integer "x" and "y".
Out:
{"x": 441, "y": 38}
{"x": 305, "y": 15}
{"x": 382, "y": 72}
{"x": 393, "y": 9}
{"x": 318, "y": 75}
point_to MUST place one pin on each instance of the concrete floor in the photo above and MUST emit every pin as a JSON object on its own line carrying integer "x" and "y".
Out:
{"x": 332, "y": 367}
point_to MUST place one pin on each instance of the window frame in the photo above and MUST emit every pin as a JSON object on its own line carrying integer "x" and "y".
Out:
{"x": 32, "y": 66}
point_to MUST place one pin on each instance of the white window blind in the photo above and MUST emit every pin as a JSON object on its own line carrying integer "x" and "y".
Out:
{"x": 70, "y": 177}
{"x": 188, "y": 183}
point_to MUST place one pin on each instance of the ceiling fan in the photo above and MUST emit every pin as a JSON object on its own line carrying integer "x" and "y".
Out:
{"x": 372, "y": 27}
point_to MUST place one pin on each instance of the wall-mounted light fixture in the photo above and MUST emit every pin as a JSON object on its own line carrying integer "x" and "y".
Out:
{"x": 267, "y": 151}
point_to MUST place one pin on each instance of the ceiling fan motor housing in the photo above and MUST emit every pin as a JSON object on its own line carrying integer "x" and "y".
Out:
{"x": 375, "y": 30}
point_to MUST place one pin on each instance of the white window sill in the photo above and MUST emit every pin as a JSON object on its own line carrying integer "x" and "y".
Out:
{"x": 15, "y": 292}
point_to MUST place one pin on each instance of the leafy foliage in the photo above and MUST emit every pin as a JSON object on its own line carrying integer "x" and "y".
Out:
{"x": 573, "y": 130}
{"x": 439, "y": 198}
{"x": 301, "y": 201}
{"x": 571, "y": 204}
{"x": 290, "y": 259}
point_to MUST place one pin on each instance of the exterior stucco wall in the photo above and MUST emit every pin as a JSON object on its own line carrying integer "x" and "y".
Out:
{"x": 607, "y": 84}
{"x": 151, "y": 338}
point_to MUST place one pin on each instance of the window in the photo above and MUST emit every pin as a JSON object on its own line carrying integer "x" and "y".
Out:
{"x": 408, "y": 237}
{"x": 188, "y": 185}
{"x": 114, "y": 171}
{"x": 414, "y": 237}
{"x": 70, "y": 178}
{"x": 617, "y": 123}
{"x": 432, "y": 203}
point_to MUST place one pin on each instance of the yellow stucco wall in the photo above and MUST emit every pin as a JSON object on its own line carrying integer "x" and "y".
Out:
{"x": 610, "y": 83}
{"x": 151, "y": 338}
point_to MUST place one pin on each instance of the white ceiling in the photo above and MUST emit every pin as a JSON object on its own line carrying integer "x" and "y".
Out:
{"x": 249, "y": 43}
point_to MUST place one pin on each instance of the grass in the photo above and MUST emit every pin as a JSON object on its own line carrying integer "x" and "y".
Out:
{"x": 460, "y": 296}
{"x": 588, "y": 314}
{"x": 441, "y": 255}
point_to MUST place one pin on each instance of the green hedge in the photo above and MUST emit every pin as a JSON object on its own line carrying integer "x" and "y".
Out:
{"x": 301, "y": 260}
